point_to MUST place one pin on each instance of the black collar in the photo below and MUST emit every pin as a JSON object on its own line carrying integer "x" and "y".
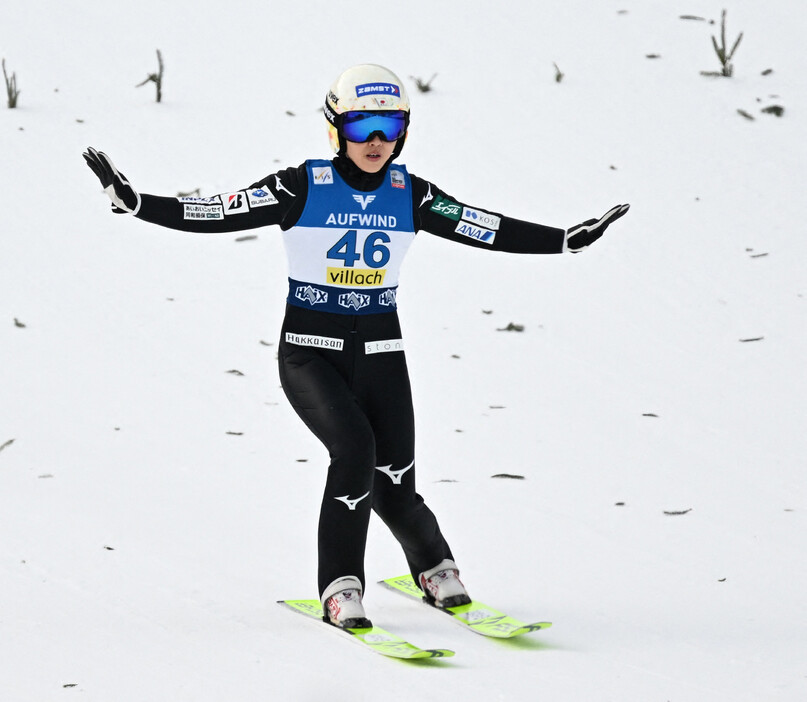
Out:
{"x": 356, "y": 178}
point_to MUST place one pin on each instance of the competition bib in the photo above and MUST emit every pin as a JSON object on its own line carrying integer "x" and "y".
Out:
{"x": 345, "y": 252}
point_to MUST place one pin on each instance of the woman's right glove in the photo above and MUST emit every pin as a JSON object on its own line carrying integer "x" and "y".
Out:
{"x": 585, "y": 234}
{"x": 125, "y": 199}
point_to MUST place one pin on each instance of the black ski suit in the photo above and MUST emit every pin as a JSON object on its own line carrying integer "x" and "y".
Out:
{"x": 341, "y": 358}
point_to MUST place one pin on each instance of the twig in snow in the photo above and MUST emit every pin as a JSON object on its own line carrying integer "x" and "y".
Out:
{"x": 11, "y": 88}
{"x": 156, "y": 78}
{"x": 724, "y": 55}
{"x": 424, "y": 86}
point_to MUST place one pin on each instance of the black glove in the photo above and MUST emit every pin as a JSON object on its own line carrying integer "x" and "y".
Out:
{"x": 582, "y": 235}
{"x": 124, "y": 197}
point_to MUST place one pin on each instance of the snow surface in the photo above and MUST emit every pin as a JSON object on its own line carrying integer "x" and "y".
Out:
{"x": 154, "y": 506}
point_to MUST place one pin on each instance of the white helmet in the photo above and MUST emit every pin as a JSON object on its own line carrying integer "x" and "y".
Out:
{"x": 366, "y": 87}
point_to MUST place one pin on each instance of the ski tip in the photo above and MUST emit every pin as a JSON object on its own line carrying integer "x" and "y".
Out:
{"x": 435, "y": 653}
{"x": 528, "y": 628}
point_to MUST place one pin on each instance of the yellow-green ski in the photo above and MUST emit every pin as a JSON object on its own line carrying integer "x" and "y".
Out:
{"x": 475, "y": 616}
{"x": 375, "y": 638}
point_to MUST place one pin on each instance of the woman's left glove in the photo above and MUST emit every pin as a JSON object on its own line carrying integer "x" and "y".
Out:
{"x": 582, "y": 235}
{"x": 125, "y": 199}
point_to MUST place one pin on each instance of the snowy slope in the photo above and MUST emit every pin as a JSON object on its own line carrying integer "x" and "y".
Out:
{"x": 154, "y": 506}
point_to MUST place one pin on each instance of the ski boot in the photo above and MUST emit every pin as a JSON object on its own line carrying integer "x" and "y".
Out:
{"x": 442, "y": 586}
{"x": 341, "y": 604}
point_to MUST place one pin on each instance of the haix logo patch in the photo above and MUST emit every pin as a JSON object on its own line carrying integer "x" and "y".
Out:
{"x": 447, "y": 208}
{"x": 377, "y": 89}
{"x": 323, "y": 175}
{"x": 388, "y": 298}
{"x": 354, "y": 300}
{"x": 311, "y": 295}
{"x": 364, "y": 200}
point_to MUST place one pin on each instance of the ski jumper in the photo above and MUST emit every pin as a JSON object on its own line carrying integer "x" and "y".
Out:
{"x": 341, "y": 355}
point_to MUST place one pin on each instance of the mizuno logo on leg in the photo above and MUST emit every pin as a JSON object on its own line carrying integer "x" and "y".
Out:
{"x": 395, "y": 475}
{"x": 351, "y": 504}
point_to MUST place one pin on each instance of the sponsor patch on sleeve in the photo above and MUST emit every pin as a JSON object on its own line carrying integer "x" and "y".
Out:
{"x": 235, "y": 203}
{"x": 259, "y": 197}
{"x": 480, "y": 218}
{"x": 215, "y": 200}
{"x": 486, "y": 236}
{"x": 203, "y": 211}
{"x": 447, "y": 208}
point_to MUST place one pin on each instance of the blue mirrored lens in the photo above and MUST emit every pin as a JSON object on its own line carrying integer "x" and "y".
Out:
{"x": 360, "y": 126}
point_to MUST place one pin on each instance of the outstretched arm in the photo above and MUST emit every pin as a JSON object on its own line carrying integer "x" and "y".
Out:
{"x": 275, "y": 199}
{"x": 445, "y": 216}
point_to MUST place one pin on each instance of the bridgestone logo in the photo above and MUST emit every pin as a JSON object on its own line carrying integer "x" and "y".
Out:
{"x": 322, "y": 342}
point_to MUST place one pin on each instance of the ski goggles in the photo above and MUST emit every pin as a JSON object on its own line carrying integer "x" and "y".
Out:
{"x": 361, "y": 126}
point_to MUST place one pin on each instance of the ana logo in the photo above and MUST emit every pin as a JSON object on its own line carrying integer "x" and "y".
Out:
{"x": 354, "y": 300}
{"x": 377, "y": 88}
{"x": 351, "y": 504}
{"x": 467, "y": 229}
{"x": 364, "y": 200}
{"x": 311, "y": 295}
{"x": 323, "y": 175}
